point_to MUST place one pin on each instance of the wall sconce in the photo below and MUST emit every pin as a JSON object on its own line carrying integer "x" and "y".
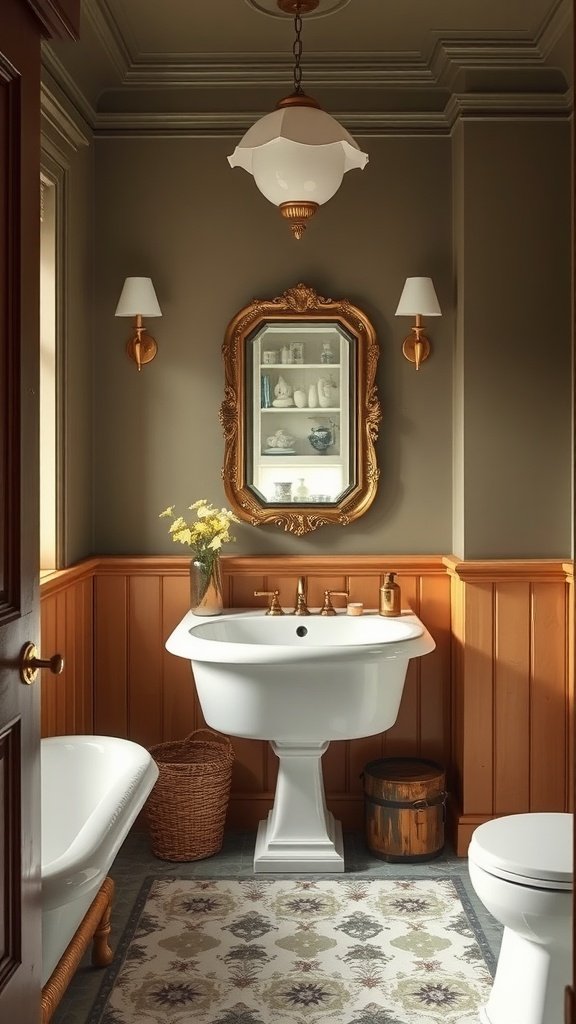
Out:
{"x": 418, "y": 299}
{"x": 138, "y": 299}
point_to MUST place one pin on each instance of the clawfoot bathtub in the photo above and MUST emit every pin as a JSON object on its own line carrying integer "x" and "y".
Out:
{"x": 93, "y": 788}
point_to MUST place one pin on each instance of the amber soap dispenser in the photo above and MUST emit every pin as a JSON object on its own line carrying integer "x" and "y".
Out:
{"x": 390, "y": 603}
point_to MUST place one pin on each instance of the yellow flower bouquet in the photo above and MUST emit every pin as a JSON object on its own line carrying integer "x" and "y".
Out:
{"x": 205, "y": 534}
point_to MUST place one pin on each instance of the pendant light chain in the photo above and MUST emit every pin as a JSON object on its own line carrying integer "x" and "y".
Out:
{"x": 297, "y": 51}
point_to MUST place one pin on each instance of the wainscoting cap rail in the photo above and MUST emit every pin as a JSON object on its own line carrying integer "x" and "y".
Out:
{"x": 505, "y": 570}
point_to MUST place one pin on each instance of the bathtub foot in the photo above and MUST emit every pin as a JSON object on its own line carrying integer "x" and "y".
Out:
{"x": 102, "y": 954}
{"x": 94, "y": 927}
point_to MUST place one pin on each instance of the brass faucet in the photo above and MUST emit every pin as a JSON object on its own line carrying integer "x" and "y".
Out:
{"x": 274, "y": 608}
{"x": 328, "y": 608}
{"x": 301, "y": 606}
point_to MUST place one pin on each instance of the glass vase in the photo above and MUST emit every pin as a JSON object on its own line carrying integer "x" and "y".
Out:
{"x": 206, "y": 586}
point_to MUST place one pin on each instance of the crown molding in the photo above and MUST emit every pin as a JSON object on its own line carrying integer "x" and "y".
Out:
{"x": 54, "y": 67}
{"x": 449, "y": 55}
{"x": 114, "y": 44}
{"x": 215, "y": 70}
{"x": 201, "y": 125}
{"x": 438, "y": 72}
{"x": 362, "y": 125}
{"x": 558, "y": 21}
{"x": 508, "y": 106}
{"x": 56, "y": 120}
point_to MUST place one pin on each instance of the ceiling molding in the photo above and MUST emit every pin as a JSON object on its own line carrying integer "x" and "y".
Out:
{"x": 361, "y": 125}
{"x": 60, "y": 121}
{"x": 557, "y": 22}
{"x": 113, "y": 41}
{"x": 508, "y": 106}
{"x": 443, "y": 69}
{"x": 254, "y": 70}
{"x": 66, "y": 83}
{"x": 449, "y": 54}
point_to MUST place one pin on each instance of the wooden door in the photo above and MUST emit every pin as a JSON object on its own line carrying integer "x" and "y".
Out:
{"x": 21, "y": 26}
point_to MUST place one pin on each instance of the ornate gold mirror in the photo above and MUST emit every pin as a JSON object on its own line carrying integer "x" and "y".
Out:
{"x": 300, "y": 411}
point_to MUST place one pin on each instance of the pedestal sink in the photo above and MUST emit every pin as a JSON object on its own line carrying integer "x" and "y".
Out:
{"x": 300, "y": 682}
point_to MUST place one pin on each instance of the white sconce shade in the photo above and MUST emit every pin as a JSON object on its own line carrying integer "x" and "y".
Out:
{"x": 418, "y": 296}
{"x": 138, "y": 297}
{"x": 418, "y": 299}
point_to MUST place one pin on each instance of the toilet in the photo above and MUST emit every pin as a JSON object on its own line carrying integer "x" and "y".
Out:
{"x": 521, "y": 869}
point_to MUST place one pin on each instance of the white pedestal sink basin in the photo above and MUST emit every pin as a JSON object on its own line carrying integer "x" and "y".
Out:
{"x": 300, "y": 682}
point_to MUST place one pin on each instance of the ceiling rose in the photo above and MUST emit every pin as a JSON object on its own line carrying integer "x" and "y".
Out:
{"x": 318, "y": 8}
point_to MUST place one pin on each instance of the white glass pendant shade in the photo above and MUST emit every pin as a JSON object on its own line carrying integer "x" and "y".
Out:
{"x": 285, "y": 171}
{"x": 298, "y": 154}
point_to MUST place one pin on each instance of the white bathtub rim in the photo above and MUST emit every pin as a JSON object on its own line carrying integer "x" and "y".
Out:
{"x": 83, "y": 865}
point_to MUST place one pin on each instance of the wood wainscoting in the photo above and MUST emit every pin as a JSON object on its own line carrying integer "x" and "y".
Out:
{"x": 492, "y": 704}
{"x": 67, "y": 628}
{"x": 512, "y": 698}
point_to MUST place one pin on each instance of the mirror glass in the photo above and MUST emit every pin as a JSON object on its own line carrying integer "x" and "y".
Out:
{"x": 300, "y": 413}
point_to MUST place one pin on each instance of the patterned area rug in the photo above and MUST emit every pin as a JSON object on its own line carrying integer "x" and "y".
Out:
{"x": 254, "y": 951}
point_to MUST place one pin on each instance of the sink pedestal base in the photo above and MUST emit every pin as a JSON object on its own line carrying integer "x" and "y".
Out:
{"x": 300, "y": 833}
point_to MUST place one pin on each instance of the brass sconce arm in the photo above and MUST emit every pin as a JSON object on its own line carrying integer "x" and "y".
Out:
{"x": 418, "y": 299}
{"x": 416, "y": 347}
{"x": 141, "y": 347}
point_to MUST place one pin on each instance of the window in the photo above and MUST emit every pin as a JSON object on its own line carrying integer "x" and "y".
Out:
{"x": 48, "y": 380}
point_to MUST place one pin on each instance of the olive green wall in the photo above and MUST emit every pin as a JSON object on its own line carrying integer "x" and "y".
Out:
{"x": 513, "y": 339}
{"x": 486, "y": 214}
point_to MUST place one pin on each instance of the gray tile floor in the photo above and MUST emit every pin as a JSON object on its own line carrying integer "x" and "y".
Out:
{"x": 135, "y": 862}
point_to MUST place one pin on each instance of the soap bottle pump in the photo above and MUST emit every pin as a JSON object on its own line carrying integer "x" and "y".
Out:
{"x": 390, "y": 596}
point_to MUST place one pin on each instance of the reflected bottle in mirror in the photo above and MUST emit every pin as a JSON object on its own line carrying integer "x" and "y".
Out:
{"x": 265, "y": 392}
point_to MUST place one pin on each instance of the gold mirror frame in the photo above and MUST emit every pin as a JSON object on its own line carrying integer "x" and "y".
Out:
{"x": 302, "y": 305}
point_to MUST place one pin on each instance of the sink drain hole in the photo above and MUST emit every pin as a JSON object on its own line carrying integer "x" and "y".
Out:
{"x": 301, "y": 631}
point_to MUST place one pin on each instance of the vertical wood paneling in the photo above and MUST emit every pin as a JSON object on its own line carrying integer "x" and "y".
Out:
{"x": 404, "y": 736}
{"x": 335, "y": 767}
{"x": 549, "y": 697}
{"x": 242, "y": 591}
{"x": 47, "y": 682}
{"x": 478, "y": 766}
{"x": 570, "y": 620}
{"x": 63, "y": 688}
{"x": 457, "y": 590}
{"x": 86, "y": 630}
{"x": 249, "y": 770}
{"x": 66, "y": 628}
{"x": 145, "y": 644}
{"x": 365, "y": 589}
{"x": 179, "y": 702}
{"x": 435, "y": 672}
{"x": 360, "y": 753}
{"x": 512, "y": 698}
{"x": 110, "y": 656}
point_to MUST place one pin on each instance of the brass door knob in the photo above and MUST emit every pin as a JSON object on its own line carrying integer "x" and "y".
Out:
{"x": 30, "y": 663}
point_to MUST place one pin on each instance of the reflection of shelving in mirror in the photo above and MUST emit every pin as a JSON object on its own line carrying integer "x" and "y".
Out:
{"x": 305, "y": 389}
{"x": 301, "y": 374}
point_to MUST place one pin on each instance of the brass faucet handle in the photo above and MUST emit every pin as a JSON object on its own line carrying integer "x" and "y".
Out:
{"x": 328, "y": 608}
{"x": 274, "y": 606}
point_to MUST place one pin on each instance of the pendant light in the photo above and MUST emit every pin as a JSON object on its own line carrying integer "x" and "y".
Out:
{"x": 298, "y": 154}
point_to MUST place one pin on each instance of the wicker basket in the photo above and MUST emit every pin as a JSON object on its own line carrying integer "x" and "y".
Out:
{"x": 186, "y": 810}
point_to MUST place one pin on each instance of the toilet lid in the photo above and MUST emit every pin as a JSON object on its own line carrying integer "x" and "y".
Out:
{"x": 528, "y": 849}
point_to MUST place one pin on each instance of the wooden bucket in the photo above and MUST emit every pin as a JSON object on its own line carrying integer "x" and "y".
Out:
{"x": 404, "y": 800}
